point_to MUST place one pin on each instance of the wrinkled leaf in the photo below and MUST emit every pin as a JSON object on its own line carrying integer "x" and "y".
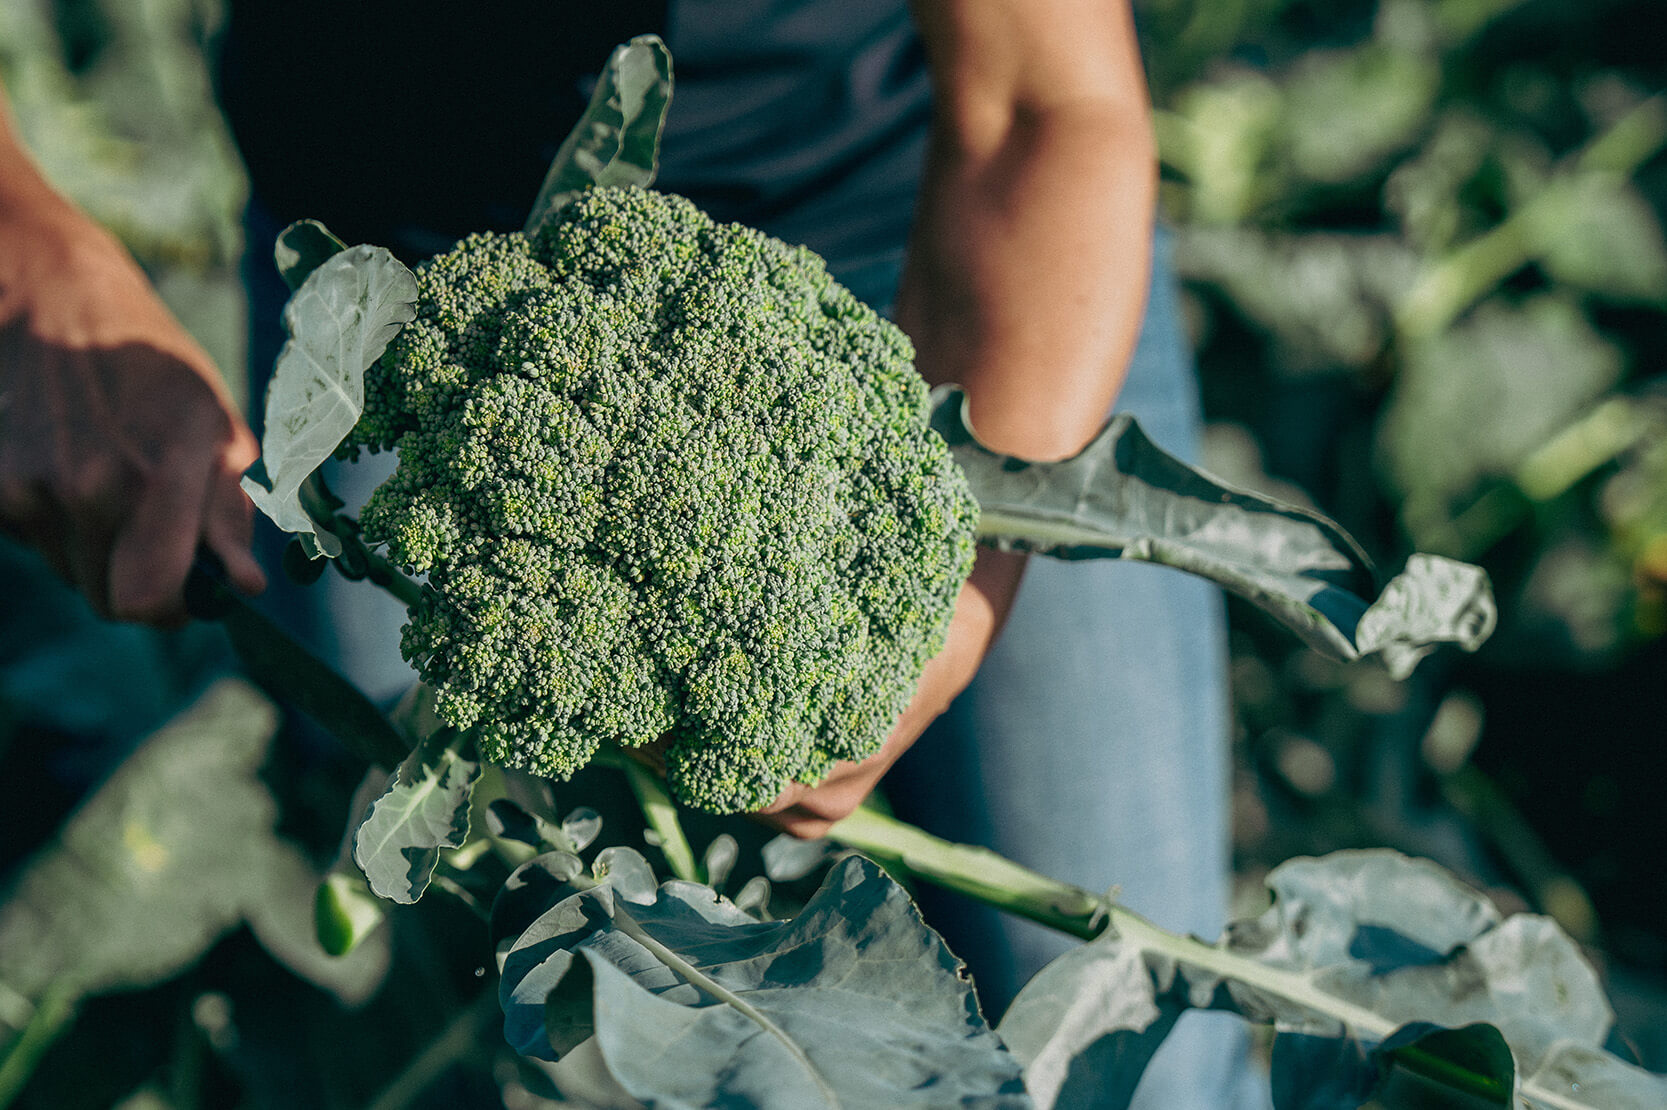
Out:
{"x": 1122, "y": 497}
{"x": 1365, "y": 960}
{"x": 1433, "y": 600}
{"x": 425, "y": 809}
{"x": 617, "y": 140}
{"x": 339, "y": 322}
{"x": 852, "y": 1003}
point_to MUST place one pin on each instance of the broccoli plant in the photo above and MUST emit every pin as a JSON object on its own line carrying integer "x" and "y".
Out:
{"x": 664, "y": 481}
{"x": 671, "y": 483}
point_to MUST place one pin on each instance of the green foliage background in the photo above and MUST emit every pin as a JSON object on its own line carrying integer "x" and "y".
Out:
{"x": 1422, "y": 247}
{"x": 1423, "y": 252}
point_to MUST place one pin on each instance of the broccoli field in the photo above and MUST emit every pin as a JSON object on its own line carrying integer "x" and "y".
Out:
{"x": 665, "y": 487}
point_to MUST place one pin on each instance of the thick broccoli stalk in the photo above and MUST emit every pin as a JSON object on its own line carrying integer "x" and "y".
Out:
{"x": 667, "y": 479}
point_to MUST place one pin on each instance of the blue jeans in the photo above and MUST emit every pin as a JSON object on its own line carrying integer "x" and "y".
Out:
{"x": 1092, "y": 746}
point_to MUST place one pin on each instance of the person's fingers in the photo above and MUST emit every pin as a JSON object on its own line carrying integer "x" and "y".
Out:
{"x": 20, "y": 508}
{"x": 87, "y": 558}
{"x": 153, "y": 550}
{"x": 241, "y": 450}
{"x": 809, "y": 811}
{"x": 28, "y": 516}
{"x": 228, "y": 527}
{"x": 92, "y": 499}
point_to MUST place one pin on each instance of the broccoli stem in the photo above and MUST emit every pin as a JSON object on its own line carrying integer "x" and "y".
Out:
{"x": 357, "y": 560}
{"x": 977, "y": 873}
{"x": 660, "y": 811}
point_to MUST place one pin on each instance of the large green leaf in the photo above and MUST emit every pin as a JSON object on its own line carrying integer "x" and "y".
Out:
{"x": 617, "y": 140}
{"x": 174, "y": 850}
{"x": 339, "y": 321}
{"x": 1366, "y": 961}
{"x": 425, "y": 809}
{"x": 1122, "y": 497}
{"x": 853, "y": 1003}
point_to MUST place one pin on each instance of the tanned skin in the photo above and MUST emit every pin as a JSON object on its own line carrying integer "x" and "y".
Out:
{"x": 1026, "y": 277}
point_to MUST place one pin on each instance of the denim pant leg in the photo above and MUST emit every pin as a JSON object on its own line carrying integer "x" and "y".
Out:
{"x": 1093, "y": 746}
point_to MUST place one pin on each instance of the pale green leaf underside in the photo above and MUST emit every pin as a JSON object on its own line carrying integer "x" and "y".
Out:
{"x": 1122, "y": 497}
{"x": 339, "y": 322}
{"x": 425, "y": 809}
{"x": 1363, "y": 960}
{"x": 617, "y": 140}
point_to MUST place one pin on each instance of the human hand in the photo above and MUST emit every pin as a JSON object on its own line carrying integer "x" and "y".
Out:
{"x": 809, "y": 811}
{"x": 120, "y": 448}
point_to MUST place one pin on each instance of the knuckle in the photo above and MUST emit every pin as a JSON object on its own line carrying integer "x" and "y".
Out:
{"x": 91, "y": 482}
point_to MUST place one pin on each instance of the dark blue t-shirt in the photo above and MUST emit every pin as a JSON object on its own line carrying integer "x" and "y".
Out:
{"x": 412, "y": 123}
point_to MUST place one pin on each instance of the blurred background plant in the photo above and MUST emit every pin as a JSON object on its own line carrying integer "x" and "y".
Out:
{"x": 1422, "y": 249}
{"x": 1423, "y": 252}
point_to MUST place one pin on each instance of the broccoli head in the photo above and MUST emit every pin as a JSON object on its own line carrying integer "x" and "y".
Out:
{"x": 667, "y": 479}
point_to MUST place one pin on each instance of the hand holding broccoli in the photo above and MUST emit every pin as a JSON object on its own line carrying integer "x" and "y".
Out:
{"x": 120, "y": 449}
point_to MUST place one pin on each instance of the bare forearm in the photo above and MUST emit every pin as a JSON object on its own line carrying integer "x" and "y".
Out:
{"x": 1028, "y": 265}
{"x": 24, "y": 192}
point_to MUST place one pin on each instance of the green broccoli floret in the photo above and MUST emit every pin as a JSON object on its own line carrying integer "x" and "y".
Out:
{"x": 667, "y": 479}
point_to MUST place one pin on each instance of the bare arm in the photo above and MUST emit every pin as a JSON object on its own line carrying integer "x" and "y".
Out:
{"x": 120, "y": 448}
{"x": 1028, "y": 266}
{"x": 1026, "y": 279}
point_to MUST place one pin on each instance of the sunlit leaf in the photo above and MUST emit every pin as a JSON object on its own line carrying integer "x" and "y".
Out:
{"x": 156, "y": 864}
{"x": 339, "y": 322}
{"x": 617, "y": 140}
{"x": 1475, "y": 402}
{"x": 426, "y": 809}
{"x": 344, "y": 912}
{"x": 1122, "y": 497}
{"x": 174, "y": 850}
{"x": 1348, "y": 111}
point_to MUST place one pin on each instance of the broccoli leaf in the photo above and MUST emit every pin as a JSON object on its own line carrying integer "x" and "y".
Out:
{"x": 301, "y": 248}
{"x": 426, "y": 808}
{"x": 617, "y": 140}
{"x": 852, "y": 1003}
{"x": 1122, "y": 497}
{"x": 1371, "y": 967}
{"x": 339, "y": 322}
